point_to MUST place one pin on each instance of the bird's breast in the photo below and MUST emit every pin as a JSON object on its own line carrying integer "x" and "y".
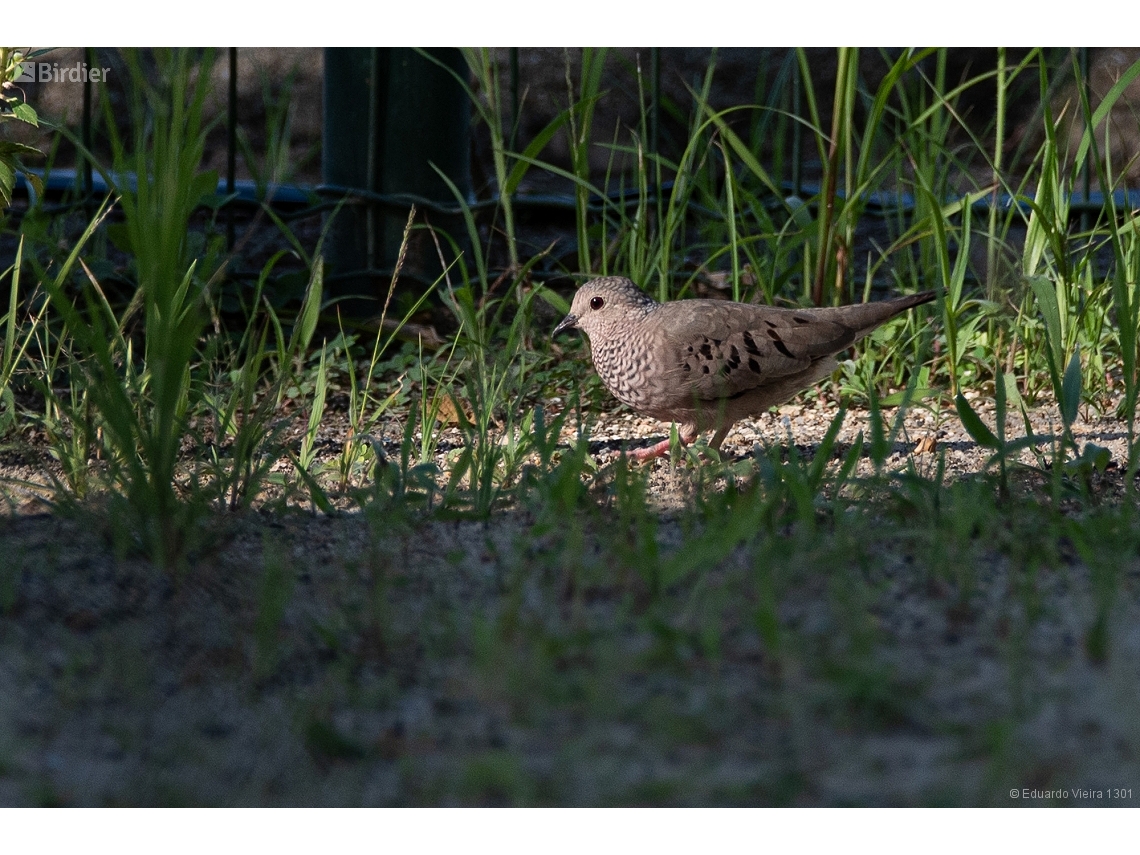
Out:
{"x": 625, "y": 363}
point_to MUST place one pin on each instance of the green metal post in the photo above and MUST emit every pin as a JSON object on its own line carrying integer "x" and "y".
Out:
{"x": 391, "y": 116}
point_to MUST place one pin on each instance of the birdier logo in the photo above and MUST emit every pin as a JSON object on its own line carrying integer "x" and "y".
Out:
{"x": 53, "y": 72}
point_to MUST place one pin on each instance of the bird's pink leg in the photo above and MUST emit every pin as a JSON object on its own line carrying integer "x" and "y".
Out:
{"x": 686, "y": 435}
{"x": 661, "y": 449}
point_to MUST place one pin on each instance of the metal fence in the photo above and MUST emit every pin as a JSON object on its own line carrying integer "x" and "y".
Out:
{"x": 372, "y": 172}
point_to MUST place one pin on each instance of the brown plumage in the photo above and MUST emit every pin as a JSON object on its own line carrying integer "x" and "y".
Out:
{"x": 705, "y": 364}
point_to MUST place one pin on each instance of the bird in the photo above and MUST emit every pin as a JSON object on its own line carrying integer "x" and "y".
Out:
{"x": 706, "y": 364}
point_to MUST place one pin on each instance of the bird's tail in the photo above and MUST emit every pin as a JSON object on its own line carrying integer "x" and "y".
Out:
{"x": 864, "y": 317}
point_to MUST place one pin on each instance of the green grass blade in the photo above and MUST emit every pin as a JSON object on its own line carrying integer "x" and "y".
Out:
{"x": 973, "y": 424}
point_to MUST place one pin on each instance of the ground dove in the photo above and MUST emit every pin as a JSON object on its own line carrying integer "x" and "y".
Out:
{"x": 707, "y": 363}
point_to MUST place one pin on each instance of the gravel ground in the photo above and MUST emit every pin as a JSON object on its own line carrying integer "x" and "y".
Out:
{"x": 448, "y": 661}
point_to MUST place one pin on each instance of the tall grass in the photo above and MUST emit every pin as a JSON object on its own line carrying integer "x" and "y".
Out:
{"x": 137, "y": 376}
{"x": 142, "y": 407}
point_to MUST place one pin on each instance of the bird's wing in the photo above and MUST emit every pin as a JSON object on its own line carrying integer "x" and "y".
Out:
{"x": 721, "y": 349}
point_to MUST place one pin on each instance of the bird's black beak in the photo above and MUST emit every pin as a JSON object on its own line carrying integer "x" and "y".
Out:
{"x": 568, "y": 322}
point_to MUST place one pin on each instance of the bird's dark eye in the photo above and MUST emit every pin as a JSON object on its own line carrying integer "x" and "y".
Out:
{"x": 596, "y": 303}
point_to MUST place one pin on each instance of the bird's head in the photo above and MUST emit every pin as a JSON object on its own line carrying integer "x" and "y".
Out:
{"x": 605, "y": 302}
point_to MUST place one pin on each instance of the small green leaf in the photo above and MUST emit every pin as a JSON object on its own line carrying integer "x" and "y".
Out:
{"x": 7, "y": 184}
{"x": 532, "y": 152}
{"x": 1009, "y": 381}
{"x": 879, "y": 446}
{"x": 905, "y": 396}
{"x": 9, "y": 150}
{"x": 1000, "y": 389}
{"x": 974, "y": 426}
{"x": 1097, "y": 456}
{"x": 823, "y": 454}
{"x": 7, "y": 409}
{"x": 310, "y": 313}
{"x": 1046, "y": 295}
{"x": 26, "y": 113}
{"x": 1071, "y": 389}
{"x": 554, "y": 299}
{"x": 801, "y": 213}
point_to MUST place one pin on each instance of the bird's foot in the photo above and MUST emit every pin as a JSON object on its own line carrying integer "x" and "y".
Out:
{"x": 661, "y": 449}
